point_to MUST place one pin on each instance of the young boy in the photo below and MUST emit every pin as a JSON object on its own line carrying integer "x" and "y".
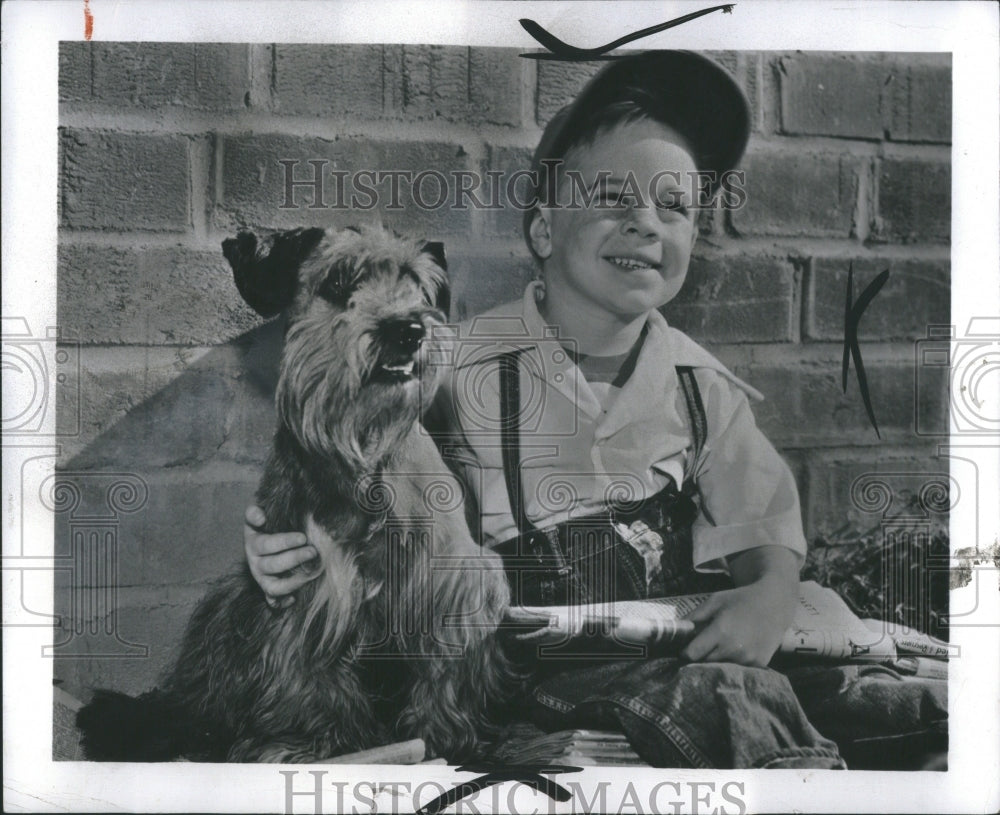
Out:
{"x": 616, "y": 414}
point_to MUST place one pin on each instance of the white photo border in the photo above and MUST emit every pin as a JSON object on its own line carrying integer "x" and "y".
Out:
{"x": 31, "y": 33}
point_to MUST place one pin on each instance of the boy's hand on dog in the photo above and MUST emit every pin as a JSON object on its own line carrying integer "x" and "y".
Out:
{"x": 275, "y": 560}
{"x": 745, "y": 625}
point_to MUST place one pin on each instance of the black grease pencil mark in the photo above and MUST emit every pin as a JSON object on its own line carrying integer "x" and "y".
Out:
{"x": 559, "y": 50}
{"x": 528, "y": 774}
{"x": 852, "y": 317}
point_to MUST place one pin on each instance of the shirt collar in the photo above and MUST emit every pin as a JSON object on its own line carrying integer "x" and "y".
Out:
{"x": 521, "y": 326}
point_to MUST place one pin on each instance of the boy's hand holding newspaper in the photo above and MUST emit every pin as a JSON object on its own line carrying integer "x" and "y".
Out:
{"x": 746, "y": 624}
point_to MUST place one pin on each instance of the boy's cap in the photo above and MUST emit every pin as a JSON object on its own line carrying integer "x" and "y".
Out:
{"x": 691, "y": 93}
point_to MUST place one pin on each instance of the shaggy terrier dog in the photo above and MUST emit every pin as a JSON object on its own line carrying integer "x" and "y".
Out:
{"x": 396, "y": 638}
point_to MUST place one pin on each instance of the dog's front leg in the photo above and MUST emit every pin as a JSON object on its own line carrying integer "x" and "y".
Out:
{"x": 461, "y": 675}
{"x": 278, "y": 750}
{"x": 294, "y": 748}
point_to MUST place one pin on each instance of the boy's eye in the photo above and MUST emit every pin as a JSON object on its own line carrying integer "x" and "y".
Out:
{"x": 679, "y": 208}
{"x": 611, "y": 200}
{"x": 673, "y": 202}
{"x": 616, "y": 200}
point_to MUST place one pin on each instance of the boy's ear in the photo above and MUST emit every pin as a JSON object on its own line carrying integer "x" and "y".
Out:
{"x": 541, "y": 238}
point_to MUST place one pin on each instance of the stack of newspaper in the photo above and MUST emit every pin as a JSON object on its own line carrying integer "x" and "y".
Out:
{"x": 580, "y": 748}
{"x": 402, "y": 752}
{"x": 917, "y": 654}
{"x": 823, "y": 627}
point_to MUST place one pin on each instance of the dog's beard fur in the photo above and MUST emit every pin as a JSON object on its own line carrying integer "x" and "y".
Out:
{"x": 296, "y": 686}
{"x": 335, "y": 411}
{"x": 347, "y": 419}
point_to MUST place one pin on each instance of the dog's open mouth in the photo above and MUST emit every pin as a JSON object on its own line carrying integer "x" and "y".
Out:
{"x": 397, "y": 370}
{"x": 399, "y": 342}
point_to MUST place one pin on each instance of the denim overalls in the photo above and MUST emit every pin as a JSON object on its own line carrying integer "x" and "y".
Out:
{"x": 585, "y": 560}
{"x": 675, "y": 714}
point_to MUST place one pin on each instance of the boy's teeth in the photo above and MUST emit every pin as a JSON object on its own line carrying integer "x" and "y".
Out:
{"x": 630, "y": 263}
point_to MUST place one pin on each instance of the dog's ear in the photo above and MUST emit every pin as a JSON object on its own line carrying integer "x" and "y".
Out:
{"x": 267, "y": 272}
{"x": 436, "y": 250}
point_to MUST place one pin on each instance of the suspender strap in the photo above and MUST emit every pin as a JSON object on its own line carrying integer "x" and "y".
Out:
{"x": 510, "y": 429}
{"x": 510, "y": 437}
{"x": 696, "y": 413}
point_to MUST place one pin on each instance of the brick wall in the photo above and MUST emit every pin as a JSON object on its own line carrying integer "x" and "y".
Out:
{"x": 167, "y": 149}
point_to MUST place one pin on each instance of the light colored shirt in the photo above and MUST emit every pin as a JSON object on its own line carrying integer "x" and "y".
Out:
{"x": 576, "y": 453}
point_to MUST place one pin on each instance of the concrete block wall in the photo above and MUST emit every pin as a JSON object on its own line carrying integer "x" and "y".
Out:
{"x": 166, "y": 149}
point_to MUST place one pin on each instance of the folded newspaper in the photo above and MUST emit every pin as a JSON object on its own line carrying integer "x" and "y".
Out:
{"x": 823, "y": 626}
{"x": 569, "y": 747}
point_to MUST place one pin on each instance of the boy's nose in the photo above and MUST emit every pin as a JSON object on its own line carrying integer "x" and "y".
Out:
{"x": 642, "y": 221}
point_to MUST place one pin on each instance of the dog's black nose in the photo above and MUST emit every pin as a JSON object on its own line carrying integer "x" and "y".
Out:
{"x": 405, "y": 335}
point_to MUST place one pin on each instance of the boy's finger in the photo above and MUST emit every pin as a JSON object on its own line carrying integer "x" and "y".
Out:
{"x": 286, "y": 560}
{"x": 717, "y": 655}
{"x": 272, "y": 587}
{"x": 266, "y": 545}
{"x": 255, "y": 516}
{"x": 316, "y": 533}
{"x": 281, "y": 587}
{"x": 701, "y": 646}
{"x": 297, "y": 579}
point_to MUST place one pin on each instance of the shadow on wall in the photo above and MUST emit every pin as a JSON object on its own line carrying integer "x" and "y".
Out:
{"x": 150, "y": 512}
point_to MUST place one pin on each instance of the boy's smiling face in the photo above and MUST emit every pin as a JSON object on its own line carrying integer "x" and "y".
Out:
{"x": 621, "y": 261}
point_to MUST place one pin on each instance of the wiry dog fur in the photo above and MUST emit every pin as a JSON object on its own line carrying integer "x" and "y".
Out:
{"x": 396, "y": 637}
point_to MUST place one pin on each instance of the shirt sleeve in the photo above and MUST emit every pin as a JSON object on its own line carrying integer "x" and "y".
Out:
{"x": 749, "y": 497}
